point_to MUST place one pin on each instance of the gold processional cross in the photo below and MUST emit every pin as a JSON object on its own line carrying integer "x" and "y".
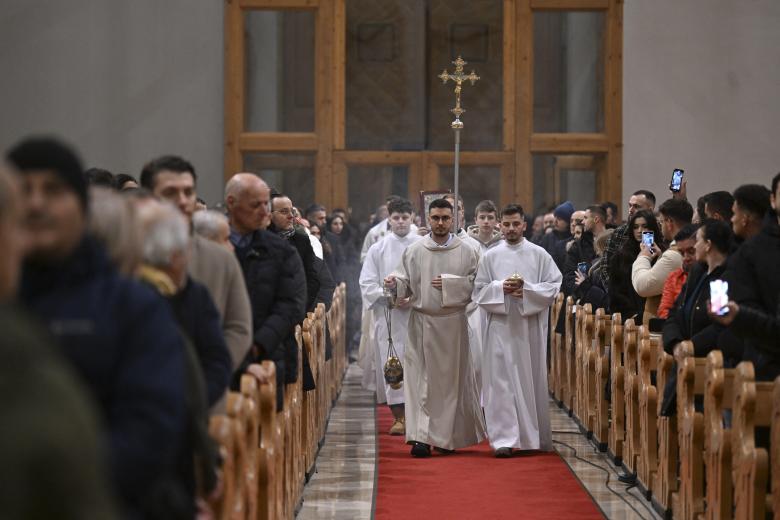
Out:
{"x": 458, "y": 77}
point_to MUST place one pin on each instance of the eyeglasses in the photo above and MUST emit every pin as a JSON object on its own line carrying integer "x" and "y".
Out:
{"x": 284, "y": 211}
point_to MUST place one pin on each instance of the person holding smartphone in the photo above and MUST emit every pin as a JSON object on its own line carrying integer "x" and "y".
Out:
{"x": 754, "y": 292}
{"x": 689, "y": 318}
{"x": 653, "y": 265}
{"x": 622, "y": 295}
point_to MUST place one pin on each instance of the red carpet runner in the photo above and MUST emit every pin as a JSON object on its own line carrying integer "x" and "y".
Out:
{"x": 472, "y": 484}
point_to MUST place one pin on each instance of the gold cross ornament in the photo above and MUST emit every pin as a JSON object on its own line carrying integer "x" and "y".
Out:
{"x": 458, "y": 77}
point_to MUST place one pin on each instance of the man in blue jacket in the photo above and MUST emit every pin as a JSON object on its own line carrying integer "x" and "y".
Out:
{"x": 119, "y": 335}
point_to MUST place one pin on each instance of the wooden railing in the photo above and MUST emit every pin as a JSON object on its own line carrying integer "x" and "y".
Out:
{"x": 269, "y": 455}
{"x": 712, "y": 458}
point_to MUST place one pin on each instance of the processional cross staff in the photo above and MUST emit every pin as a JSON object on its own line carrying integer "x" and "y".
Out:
{"x": 458, "y": 77}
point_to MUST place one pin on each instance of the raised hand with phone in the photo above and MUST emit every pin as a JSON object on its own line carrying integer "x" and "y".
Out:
{"x": 677, "y": 185}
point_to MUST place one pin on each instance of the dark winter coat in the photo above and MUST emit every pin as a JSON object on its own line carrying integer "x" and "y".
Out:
{"x": 123, "y": 342}
{"x": 199, "y": 320}
{"x": 50, "y": 444}
{"x": 582, "y": 250}
{"x": 695, "y": 326}
{"x": 754, "y": 284}
{"x": 276, "y": 283}
{"x": 301, "y": 242}
{"x": 623, "y": 298}
{"x": 555, "y": 244}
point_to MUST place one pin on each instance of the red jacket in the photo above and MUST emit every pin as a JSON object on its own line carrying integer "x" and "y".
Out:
{"x": 672, "y": 288}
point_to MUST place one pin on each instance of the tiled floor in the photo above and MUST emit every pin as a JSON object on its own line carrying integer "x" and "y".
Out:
{"x": 343, "y": 486}
{"x": 613, "y": 499}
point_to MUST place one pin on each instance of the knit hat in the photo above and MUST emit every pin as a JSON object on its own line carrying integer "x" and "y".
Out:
{"x": 564, "y": 211}
{"x": 47, "y": 153}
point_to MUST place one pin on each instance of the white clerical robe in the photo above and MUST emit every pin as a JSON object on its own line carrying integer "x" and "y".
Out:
{"x": 440, "y": 392}
{"x": 475, "y": 316}
{"x": 382, "y": 257}
{"x": 377, "y": 233}
{"x": 514, "y": 361}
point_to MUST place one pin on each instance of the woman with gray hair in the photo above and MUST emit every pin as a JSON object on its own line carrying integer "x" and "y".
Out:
{"x": 165, "y": 250}
{"x": 213, "y": 225}
{"x": 166, "y": 243}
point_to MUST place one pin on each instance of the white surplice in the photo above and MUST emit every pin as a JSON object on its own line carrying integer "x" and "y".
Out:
{"x": 440, "y": 392}
{"x": 514, "y": 361}
{"x": 381, "y": 259}
{"x": 475, "y": 316}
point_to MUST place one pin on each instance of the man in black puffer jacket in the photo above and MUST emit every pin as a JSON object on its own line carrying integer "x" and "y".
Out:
{"x": 755, "y": 287}
{"x": 274, "y": 276}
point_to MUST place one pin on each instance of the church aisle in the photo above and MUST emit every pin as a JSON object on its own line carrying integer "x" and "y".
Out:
{"x": 615, "y": 501}
{"x": 343, "y": 487}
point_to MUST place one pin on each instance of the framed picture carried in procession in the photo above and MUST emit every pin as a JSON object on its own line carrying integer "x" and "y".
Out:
{"x": 426, "y": 197}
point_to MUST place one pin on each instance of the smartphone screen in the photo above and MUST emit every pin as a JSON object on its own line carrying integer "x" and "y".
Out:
{"x": 677, "y": 176}
{"x": 719, "y": 297}
{"x": 647, "y": 239}
{"x": 583, "y": 268}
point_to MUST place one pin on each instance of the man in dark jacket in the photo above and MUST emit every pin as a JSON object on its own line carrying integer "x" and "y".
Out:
{"x": 50, "y": 424}
{"x": 582, "y": 250}
{"x": 282, "y": 223}
{"x": 274, "y": 276}
{"x": 755, "y": 288}
{"x": 554, "y": 242}
{"x": 118, "y": 335}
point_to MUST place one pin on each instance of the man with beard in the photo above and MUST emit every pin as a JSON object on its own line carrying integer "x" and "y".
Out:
{"x": 516, "y": 283}
{"x": 440, "y": 392}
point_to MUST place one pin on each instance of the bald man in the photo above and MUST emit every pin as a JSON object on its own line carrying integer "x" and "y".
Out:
{"x": 274, "y": 276}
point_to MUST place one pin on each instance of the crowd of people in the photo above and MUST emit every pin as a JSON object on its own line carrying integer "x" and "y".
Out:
{"x": 654, "y": 268}
{"x": 131, "y": 307}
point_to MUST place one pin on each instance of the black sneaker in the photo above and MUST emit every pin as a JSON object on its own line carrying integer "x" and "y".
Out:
{"x": 421, "y": 450}
{"x": 503, "y": 453}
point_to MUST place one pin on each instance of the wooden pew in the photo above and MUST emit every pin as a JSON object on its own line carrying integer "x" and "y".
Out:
{"x": 569, "y": 384}
{"x": 322, "y": 390}
{"x": 688, "y": 502}
{"x": 752, "y": 408}
{"x": 267, "y": 453}
{"x": 309, "y": 427}
{"x": 665, "y": 481}
{"x": 589, "y": 361}
{"x": 250, "y": 389}
{"x": 221, "y": 430}
{"x": 632, "y": 444}
{"x": 583, "y": 345}
{"x": 718, "y": 397}
{"x": 647, "y": 465}
{"x": 603, "y": 335}
{"x": 553, "y": 378}
{"x": 775, "y": 450}
{"x": 299, "y": 469}
{"x": 238, "y": 409}
{"x": 617, "y": 424}
{"x": 577, "y": 365}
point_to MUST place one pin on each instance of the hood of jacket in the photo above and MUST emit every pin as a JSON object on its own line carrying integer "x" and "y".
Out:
{"x": 473, "y": 232}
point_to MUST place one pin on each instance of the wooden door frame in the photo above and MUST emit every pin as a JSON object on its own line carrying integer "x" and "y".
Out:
{"x": 239, "y": 141}
{"x": 519, "y": 144}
